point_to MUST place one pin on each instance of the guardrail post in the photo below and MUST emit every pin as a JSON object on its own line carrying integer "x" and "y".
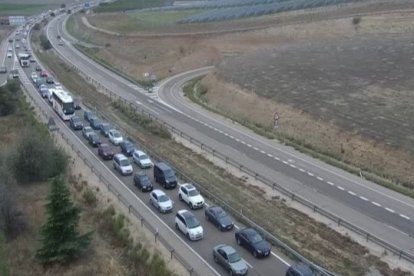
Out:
{"x": 241, "y": 167}
{"x": 142, "y": 221}
{"x": 226, "y": 159}
{"x": 293, "y": 197}
{"x": 191, "y": 270}
{"x": 256, "y": 175}
{"x": 367, "y": 236}
{"x": 213, "y": 151}
{"x": 118, "y": 195}
{"x": 274, "y": 186}
{"x": 201, "y": 146}
{"x": 156, "y": 234}
{"x": 129, "y": 209}
{"x": 171, "y": 253}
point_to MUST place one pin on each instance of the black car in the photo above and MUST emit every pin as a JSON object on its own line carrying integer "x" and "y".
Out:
{"x": 87, "y": 115}
{"x": 95, "y": 123}
{"x": 105, "y": 151}
{"x": 219, "y": 218}
{"x": 105, "y": 128}
{"x": 253, "y": 241}
{"x": 143, "y": 182}
{"x": 94, "y": 140}
{"x": 127, "y": 148}
{"x": 299, "y": 269}
{"x": 76, "y": 104}
{"x": 49, "y": 80}
{"x": 38, "y": 68}
{"x": 75, "y": 123}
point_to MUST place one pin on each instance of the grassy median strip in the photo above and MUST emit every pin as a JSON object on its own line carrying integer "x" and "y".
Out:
{"x": 313, "y": 239}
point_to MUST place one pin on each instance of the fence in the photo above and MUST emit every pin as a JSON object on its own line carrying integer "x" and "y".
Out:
{"x": 273, "y": 184}
{"x": 173, "y": 254}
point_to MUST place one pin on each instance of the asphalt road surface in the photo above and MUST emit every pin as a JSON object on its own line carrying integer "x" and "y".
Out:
{"x": 381, "y": 212}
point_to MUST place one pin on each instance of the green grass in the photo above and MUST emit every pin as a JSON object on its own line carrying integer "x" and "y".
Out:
{"x": 158, "y": 18}
{"x": 20, "y": 9}
{"x": 124, "y": 5}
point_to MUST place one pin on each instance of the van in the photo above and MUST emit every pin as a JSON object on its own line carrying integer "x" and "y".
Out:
{"x": 165, "y": 175}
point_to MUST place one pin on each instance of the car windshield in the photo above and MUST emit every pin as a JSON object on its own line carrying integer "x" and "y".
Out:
{"x": 75, "y": 119}
{"x": 129, "y": 146}
{"x": 193, "y": 192}
{"x": 143, "y": 157}
{"x": 169, "y": 173}
{"x": 192, "y": 222}
{"x": 68, "y": 108}
{"x": 234, "y": 257}
{"x": 117, "y": 134}
{"x": 124, "y": 162}
{"x": 163, "y": 198}
{"x": 105, "y": 147}
{"x": 106, "y": 127}
{"x": 255, "y": 238}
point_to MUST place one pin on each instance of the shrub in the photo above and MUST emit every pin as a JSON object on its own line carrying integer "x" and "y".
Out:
{"x": 89, "y": 197}
{"x": 9, "y": 98}
{"x": 37, "y": 158}
{"x": 45, "y": 43}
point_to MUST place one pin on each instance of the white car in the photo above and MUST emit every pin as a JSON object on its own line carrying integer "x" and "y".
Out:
{"x": 115, "y": 137}
{"x": 34, "y": 77}
{"x": 9, "y": 54}
{"x": 121, "y": 163}
{"x": 191, "y": 196}
{"x": 161, "y": 201}
{"x": 188, "y": 224}
{"x": 17, "y": 46}
{"x": 142, "y": 159}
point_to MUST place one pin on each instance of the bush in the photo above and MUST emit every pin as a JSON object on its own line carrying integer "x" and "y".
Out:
{"x": 9, "y": 98}
{"x": 36, "y": 26}
{"x": 45, "y": 43}
{"x": 37, "y": 158}
{"x": 89, "y": 197}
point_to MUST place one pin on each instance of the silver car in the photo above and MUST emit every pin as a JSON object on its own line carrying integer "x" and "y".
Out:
{"x": 161, "y": 201}
{"x": 227, "y": 256}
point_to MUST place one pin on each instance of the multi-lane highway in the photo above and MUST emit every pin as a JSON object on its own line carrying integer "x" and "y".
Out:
{"x": 4, "y": 60}
{"x": 381, "y": 212}
{"x": 273, "y": 265}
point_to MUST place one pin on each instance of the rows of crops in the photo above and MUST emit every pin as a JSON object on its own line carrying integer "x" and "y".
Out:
{"x": 234, "y": 9}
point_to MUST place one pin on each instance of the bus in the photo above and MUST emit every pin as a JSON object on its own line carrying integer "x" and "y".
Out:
{"x": 62, "y": 103}
{"x": 24, "y": 59}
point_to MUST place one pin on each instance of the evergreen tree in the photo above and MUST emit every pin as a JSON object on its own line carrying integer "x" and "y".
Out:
{"x": 60, "y": 237}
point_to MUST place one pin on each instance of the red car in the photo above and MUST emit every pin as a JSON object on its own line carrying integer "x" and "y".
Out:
{"x": 43, "y": 74}
{"x": 105, "y": 151}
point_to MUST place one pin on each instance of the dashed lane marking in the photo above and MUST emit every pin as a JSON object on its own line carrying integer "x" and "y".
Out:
{"x": 351, "y": 193}
{"x": 404, "y": 216}
{"x": 310, "y": 174}
{"x": 341, "y": 188}
{"x": 376, "y": 204}
{"x": 330, "y": 183}
{"x": 389, "y": 210}
{"x": 302, "y": 170}
{"x": 319, "y": 178}
{"x": 363, "y": 198}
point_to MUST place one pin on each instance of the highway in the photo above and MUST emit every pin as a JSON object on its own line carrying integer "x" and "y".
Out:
{"x": 381, "y": 212}
{"x": 201, "y": 250}
{"x": 5, "y": 61}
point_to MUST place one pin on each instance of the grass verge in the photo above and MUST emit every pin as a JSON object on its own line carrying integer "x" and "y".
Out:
{"x": 20, "y": 9}
{"x": 194, "y": 91}
{"x": 124, "y": 5}
{"x": 315, "y": 240}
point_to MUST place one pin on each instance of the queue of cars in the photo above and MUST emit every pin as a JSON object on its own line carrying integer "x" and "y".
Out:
{"x": 185, "y": 221}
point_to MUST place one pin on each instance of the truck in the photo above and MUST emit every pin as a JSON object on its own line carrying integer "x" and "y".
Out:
{"x": 24, "y": 59}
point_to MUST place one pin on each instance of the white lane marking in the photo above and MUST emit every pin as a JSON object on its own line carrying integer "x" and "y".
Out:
{"x": 262, "y": 151}
{"x": 302, "y": 170}
{"x": 138, "y": 102}
{"x": 237, "y": 140}
{"x": 280, "y": 259}
{"x": 249, "y": 145}
{"x": 341, "y": 188}
{"x": 255, "y": 148}
{"x": 310, "y": 174}
{"x": 404, "y": 216}
{"x": 269, "y": 155}
{"x": 235, "y": 226}
{"x": 330, "y": 183}
{"x": 389, "y": 210}
{"x": 293, "y": 166}
{"x": 277, "y": 158}
{"x": 231, "y": 137}
{"x": 225, "y": 134}
{"x": 319, "y": 178}
{"x": 150, "y": 101}
{"x": 376, "y": 204}
{"x": 363, "y": 198}
{"x": 248, "y": 263}
{"x": 285, "y": 162}
{"x": 351, "y": 193}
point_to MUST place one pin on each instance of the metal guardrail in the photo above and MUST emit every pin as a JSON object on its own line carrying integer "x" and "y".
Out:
{"x": 273, "y": 184}
{"x": 173, "y": 254}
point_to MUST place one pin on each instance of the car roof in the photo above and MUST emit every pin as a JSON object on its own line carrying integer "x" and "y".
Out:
{"x": 189, "y": 186}
{"x": 216, "y": 209}
{"x": 162, "y": 166}
{"x": 186, "y": 214}
{"x": 158, "y": 192}
{"x": 302, "y": 268}
{"x": 120, "y": 156}
{"x": 228, "y": 249}
{"x": 105, "y": 145}
{"x": 139, "y": 152}
{"x": 87, "y": 128}
{"x": 249, "y": 231}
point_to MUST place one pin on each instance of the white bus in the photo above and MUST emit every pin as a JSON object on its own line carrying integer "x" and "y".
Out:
{"x": 24, "y": 59}
{"x": 62, "y": 103}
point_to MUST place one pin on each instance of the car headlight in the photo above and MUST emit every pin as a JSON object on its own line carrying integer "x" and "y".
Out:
{"x": 259, "y": 251}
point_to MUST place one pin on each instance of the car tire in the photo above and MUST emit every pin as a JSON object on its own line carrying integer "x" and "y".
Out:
{"x": 215, "y": 258}
{"x": 191, "y": 206}
{"x": 231, "y": 272}
{"x": 221, "y": 228}
{"x": 180, "y": 197}
{"x": 238, "y": 241}
{"x": 176, "y": 226}
{"x": 255, "y": 254}
{"x": 142, "y": 189}
{"x": 207, "y": 218}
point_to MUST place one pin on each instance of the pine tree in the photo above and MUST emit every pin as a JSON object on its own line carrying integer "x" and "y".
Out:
{"x": 60, "y": 237}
